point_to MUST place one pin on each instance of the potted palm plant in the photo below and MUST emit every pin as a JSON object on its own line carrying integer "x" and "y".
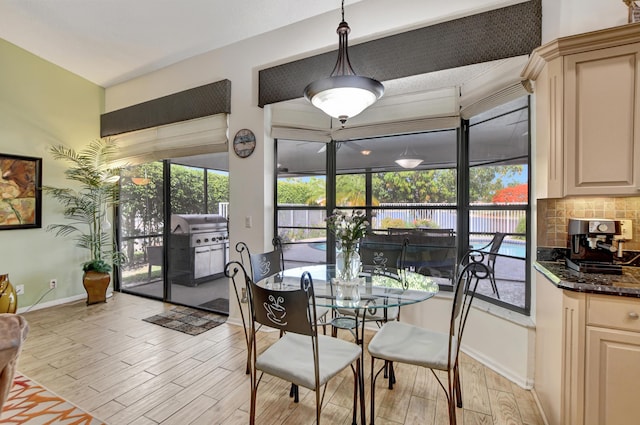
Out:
{"x": 86, "y": 206}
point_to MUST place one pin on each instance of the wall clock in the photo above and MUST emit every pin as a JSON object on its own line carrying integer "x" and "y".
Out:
{"x": 244, "y": 143}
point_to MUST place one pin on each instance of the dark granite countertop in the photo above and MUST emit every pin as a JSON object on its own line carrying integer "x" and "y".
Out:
{"x": 625, "y": 284}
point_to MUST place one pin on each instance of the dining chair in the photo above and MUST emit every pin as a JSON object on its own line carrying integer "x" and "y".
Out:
{"x": 301, "y": 355}
{"x": 378, "y": 254}
{"x": 398, "y": 342}
{"x": 264, "y": 264}
{"x": 268, "y": 264}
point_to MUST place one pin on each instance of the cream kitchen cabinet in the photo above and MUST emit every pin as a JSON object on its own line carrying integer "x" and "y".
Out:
{"x": 587, "y": 356}
{"x": 612, "y": 364}
{"x": 587, "y": 113}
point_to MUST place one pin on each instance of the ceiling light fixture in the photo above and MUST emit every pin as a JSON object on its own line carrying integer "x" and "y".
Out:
{"x": 408, "y": 159}
{"x": 344, "y": 94}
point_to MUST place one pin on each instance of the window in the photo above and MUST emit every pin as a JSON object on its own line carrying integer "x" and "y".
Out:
{"x": 471, "y": 182}
{"x": 499, "y": 197}
{"x": 301, "y": 192}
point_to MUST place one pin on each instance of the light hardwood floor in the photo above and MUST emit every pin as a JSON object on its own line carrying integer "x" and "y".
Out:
{"x": 108, "y": 361}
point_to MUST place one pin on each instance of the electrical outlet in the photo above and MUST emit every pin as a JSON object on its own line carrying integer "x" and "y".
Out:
{"x": 626, "y": 230}
{"x": 19, "y": 289}
{"x": 53, "y": 283}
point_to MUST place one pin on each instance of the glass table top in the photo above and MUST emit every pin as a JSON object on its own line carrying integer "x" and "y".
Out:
{"x": 375, "y": 288}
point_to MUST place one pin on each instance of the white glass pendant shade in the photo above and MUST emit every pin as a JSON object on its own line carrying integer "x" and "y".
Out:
{"x": 408, "y": 162}
{"x": 408, "y": 159}
{"x": 344, "y": 96}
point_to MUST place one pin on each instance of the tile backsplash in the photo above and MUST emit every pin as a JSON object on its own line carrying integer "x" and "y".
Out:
{"x": 553, "y": 215}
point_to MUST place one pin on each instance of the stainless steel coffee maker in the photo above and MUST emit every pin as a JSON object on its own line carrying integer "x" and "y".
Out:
{"x": 591, "y": 245}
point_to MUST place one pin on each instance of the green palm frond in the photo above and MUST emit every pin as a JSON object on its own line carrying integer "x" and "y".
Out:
{"x": 93, "y": 169}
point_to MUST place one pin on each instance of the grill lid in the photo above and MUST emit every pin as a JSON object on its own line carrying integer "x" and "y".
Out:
{"x": 195, "y": 223}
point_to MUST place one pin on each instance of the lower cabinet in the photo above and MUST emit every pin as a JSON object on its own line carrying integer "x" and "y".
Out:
{"x": 612, "y": 367}
{"x": 591, "y": 342}
{"x": 612, "y": 395}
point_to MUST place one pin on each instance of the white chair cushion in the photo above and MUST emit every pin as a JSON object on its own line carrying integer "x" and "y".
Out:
{"x": 400, "y": 342}
{"x": 291, "y": 358}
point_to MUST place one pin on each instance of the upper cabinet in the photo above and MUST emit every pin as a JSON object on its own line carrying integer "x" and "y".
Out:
{"x": 587, "y": 113}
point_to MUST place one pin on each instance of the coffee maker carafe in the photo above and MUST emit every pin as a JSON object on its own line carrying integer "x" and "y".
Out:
{"x": 591, "y": 247}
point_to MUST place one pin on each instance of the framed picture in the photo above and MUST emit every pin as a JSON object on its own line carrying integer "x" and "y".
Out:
{"x": 20, "y": 192}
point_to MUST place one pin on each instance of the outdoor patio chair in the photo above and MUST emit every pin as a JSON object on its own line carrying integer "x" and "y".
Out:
{"x": 155, "y": 256}
{"x": 300, "y": 356}
{"x": 491, "y": 255}
{"x": 398, "y": 342}
{"x": 432, "y": 253}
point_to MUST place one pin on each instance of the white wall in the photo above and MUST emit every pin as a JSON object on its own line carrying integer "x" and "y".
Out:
{"x": 566, "y": 17}
{"x": 251, "y": 178}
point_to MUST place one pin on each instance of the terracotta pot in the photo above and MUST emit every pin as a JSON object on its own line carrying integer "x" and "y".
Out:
{"x": 8, "y": 297}
{"x": 96, "y": 284}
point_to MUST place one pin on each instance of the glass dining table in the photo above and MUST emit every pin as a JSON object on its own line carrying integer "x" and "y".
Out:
{"x": 375, "y": 291}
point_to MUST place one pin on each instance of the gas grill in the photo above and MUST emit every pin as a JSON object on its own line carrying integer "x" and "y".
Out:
{"x": 199, "y": 245}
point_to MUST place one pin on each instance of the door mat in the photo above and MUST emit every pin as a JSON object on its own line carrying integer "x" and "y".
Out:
{"x": 187, "y": 320}
{"x": 31, "y": 403}
{"x": 219, "y": 304}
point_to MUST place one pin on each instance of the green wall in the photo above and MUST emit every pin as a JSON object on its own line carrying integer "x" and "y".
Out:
{"x": 41, "y": 105}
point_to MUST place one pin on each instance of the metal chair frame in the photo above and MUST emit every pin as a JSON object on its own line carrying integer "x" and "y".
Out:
{"x": 465, "y": 288}
{"x": 290, "y": 312}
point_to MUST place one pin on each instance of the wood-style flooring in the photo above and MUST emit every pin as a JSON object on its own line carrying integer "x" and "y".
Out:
{"x": 105, "y": 359}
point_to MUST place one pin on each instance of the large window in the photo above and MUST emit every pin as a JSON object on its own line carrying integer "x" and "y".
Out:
{"x": 302, "y": 201}
{"x": 470, "y": 182}
{"x": 499, "y": 197}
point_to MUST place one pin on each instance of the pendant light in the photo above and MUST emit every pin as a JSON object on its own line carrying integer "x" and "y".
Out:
{"x": 344, "y": 94}
{"x": 408, "y": 159}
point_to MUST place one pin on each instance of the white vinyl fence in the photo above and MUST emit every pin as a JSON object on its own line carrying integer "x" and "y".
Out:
{"x": 412, "y": 215}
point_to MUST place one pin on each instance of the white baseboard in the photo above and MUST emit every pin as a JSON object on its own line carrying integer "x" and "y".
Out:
{"x": 527, "y": 384}
{"x": 54, "y": 303}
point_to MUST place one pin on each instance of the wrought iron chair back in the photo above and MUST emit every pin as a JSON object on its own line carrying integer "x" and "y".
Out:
{"x": 293, "y": 312}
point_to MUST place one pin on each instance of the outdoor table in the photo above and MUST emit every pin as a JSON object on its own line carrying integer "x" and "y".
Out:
{"x": 377, "y": 288}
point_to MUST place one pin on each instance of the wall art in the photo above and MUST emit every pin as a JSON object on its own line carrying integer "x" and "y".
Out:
{"x": 20, "y": 192}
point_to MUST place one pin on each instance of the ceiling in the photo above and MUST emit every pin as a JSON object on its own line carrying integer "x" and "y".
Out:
{"x": 111, "y": 41}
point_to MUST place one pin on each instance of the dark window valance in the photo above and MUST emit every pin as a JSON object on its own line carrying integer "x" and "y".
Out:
{"x": 497, "y": 34}
{"x": 198, "y": 102}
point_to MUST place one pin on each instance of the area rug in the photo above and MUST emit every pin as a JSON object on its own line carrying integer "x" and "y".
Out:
{"x": 187, "y": 320}
{"x": 32, "y": 404}
{"x": 219, "y": 304}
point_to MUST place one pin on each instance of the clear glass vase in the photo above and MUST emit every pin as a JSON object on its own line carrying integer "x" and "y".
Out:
{"x": 348, "y": 262}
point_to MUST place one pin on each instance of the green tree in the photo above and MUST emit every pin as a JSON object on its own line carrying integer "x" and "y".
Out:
{"x": 217, "y": 190}
{"x": 187, "y": 190}
{"x": 484, "y": 182}
{"x": 350, "y": 190}
{"x": 415, "y": 186}
{"x": 293, "y": 191}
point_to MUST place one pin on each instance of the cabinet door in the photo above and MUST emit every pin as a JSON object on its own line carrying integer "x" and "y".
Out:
{"x": 612, "y": 377}
{"x": 602, "y": 121}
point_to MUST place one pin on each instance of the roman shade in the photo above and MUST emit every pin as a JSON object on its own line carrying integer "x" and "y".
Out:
{"x": 186, "y": 138}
